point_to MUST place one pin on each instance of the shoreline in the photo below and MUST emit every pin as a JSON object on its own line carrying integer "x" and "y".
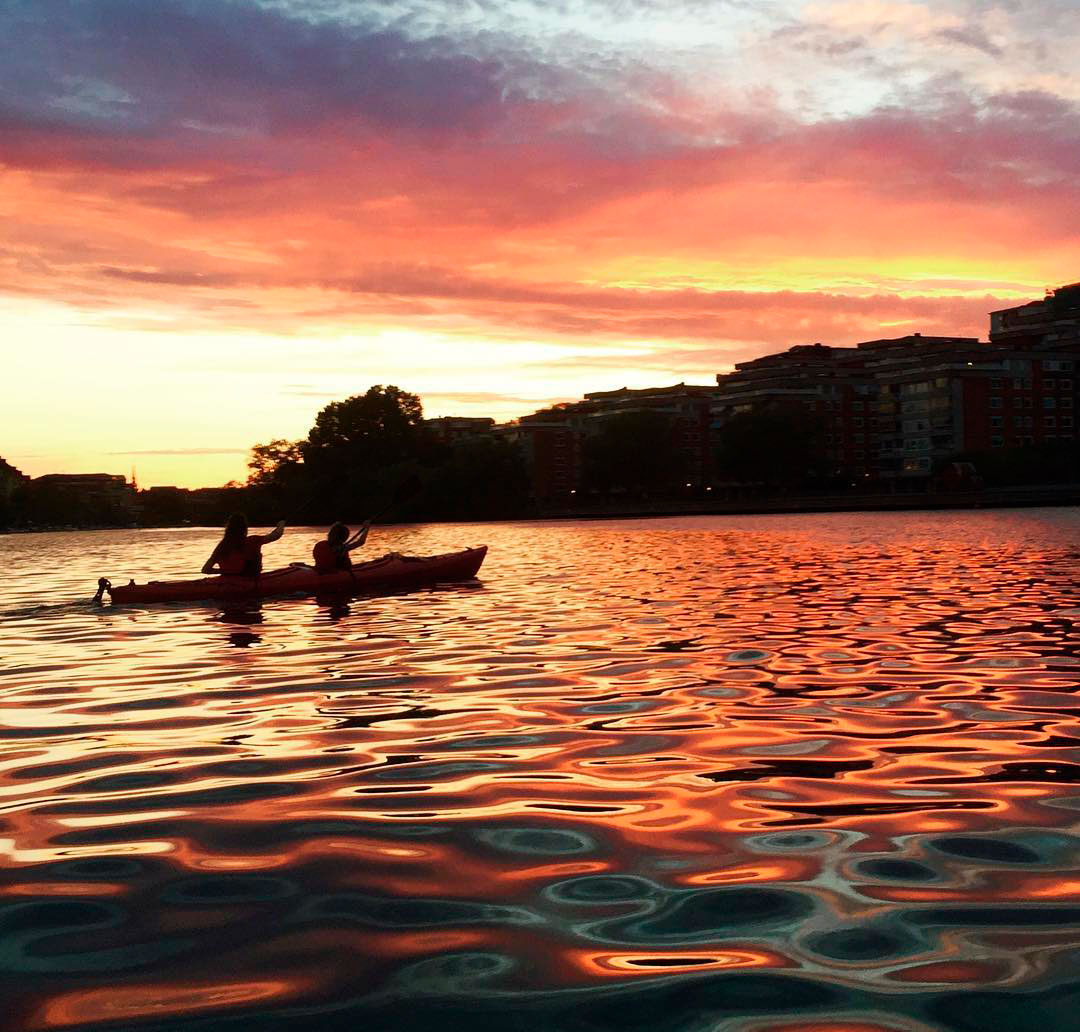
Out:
{"x": 1002, "y": 498}
{"x": 1005, "y": 498}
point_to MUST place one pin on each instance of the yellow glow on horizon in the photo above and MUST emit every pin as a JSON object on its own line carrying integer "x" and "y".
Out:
{"x": 931, "y": 276}
{"x": 183, "y": 408}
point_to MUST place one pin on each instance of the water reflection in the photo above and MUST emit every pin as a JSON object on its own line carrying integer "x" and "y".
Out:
{"x": 741, "y": 774}
{"x": 245, "y": 613}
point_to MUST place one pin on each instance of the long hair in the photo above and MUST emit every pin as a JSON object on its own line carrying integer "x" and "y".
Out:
{"x": 338, "y": 534}
{"x": 235, "y": 532}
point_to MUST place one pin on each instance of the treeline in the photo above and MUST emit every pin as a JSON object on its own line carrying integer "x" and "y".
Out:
{"x": 371, "y": 456}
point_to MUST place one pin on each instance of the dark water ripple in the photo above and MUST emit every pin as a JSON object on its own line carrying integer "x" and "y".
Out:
{"x": 768, "y": 774}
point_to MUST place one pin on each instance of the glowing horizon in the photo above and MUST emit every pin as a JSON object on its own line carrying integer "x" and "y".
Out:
{"x": 217, "y": 217}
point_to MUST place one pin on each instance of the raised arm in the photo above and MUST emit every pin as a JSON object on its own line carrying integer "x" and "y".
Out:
{"x": 265, "y": 539}
{"x": 358, "y": 538}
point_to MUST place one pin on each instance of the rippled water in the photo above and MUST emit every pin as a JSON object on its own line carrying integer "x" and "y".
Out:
{"x": 771, "y": 773}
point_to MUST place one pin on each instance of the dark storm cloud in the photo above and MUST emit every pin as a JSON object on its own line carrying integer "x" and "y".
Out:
{"x": 128, "y": 66}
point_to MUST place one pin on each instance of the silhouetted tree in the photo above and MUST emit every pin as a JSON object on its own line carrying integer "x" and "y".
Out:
{"x": 478, "y": 477}
{"x": 277, "y": 481}
{"x": 380, "y": 427}
{"x": 357, "y": 449}
{"x": 1052, "y": 462}
{"x": 634, "y": 451}
{"x": 780, "y": 446}
{"x": 273, "y": 462}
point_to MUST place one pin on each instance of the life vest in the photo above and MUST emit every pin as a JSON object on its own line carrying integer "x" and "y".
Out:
{"x": 328, "y": 559}
{"x": 245, "y": 561}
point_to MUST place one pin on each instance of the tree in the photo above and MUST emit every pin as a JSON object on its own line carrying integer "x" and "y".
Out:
{"x": 639, "y": 451}
{"x": 350, "y": 450}
{"x": 1048, "y": 462}
{"x": 780, "y": 446}
{"x": 269, "y": 463}
{"x": 481, "y": 477}
{"x": 377, "y": 428}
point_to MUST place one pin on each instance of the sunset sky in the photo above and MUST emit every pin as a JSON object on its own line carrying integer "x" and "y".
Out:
{"x": 218, "y": 215}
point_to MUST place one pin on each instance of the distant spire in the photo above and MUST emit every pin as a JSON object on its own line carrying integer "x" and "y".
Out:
{"x": 134, "y": 482}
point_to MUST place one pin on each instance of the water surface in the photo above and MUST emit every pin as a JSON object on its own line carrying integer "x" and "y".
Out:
{"x": 752, "y": 773}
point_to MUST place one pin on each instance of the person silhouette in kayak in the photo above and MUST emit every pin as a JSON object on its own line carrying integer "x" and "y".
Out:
{"x": 332, "y": 554}
{"x": 239, "y": 553}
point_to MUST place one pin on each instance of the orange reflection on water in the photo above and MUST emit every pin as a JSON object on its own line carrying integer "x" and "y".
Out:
{"x": 1061, "y": 889}
{"x": 123, "y": 1003}
{"x": 962, "y": 972}
{"x": 793, "y": 869}
{"x": 653, "y": 963}
{"x": 62, "y": 889}
{"x": 820, "y": 744}
{"x": 896, "y": 894}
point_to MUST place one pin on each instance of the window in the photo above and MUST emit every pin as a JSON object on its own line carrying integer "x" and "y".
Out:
{"x": 856, "y": 406}
{"x": 858, "y": 421}
{"x": 1018, "y": 422}
{"x": 996, "y": 422}
{"x": 997, "y": 441}
{"x": 860, "y": 455}
{"x": 1066, "y": 402}
{"x": 1050, "y": 437}
{"x": 995, "y": 402}
{"x": 1027, "y": 403}
{"x": 1017, "y": 384}
{"x": 1066, "y": 422}
{"x": 1049, "y": 403}
{"x": 995, "y": 384}
{"x": 860, "y": 438}
{"x": 1050, "y": 384}
{"x": 1018, "y": 402}
{"x": 1065, "y": 385}
{"x": 1027, "y": 421}
{"x": 1049, "y": 421}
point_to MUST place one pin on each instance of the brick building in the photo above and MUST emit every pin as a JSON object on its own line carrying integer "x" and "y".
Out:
{"x": 11, "y": 480}
{"x": 896, "y": 409}
{"x": 453, "y": 428}
{"x": 829, "y": 382}
{"x": 550, "y": 443}
{"x": 928, "y": 402}
{"x": 553, "y": 440}
{"x": 890, "y": 411}
{"x": 97, "y": 497}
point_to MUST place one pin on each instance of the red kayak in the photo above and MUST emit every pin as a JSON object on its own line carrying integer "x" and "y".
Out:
{"x": 388, "y": 573}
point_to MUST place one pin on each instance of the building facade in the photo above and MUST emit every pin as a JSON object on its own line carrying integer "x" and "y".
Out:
{"x": 897, "y": 409}
{"x": 554, "y": 440}
{"x": 453, "y": 428}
